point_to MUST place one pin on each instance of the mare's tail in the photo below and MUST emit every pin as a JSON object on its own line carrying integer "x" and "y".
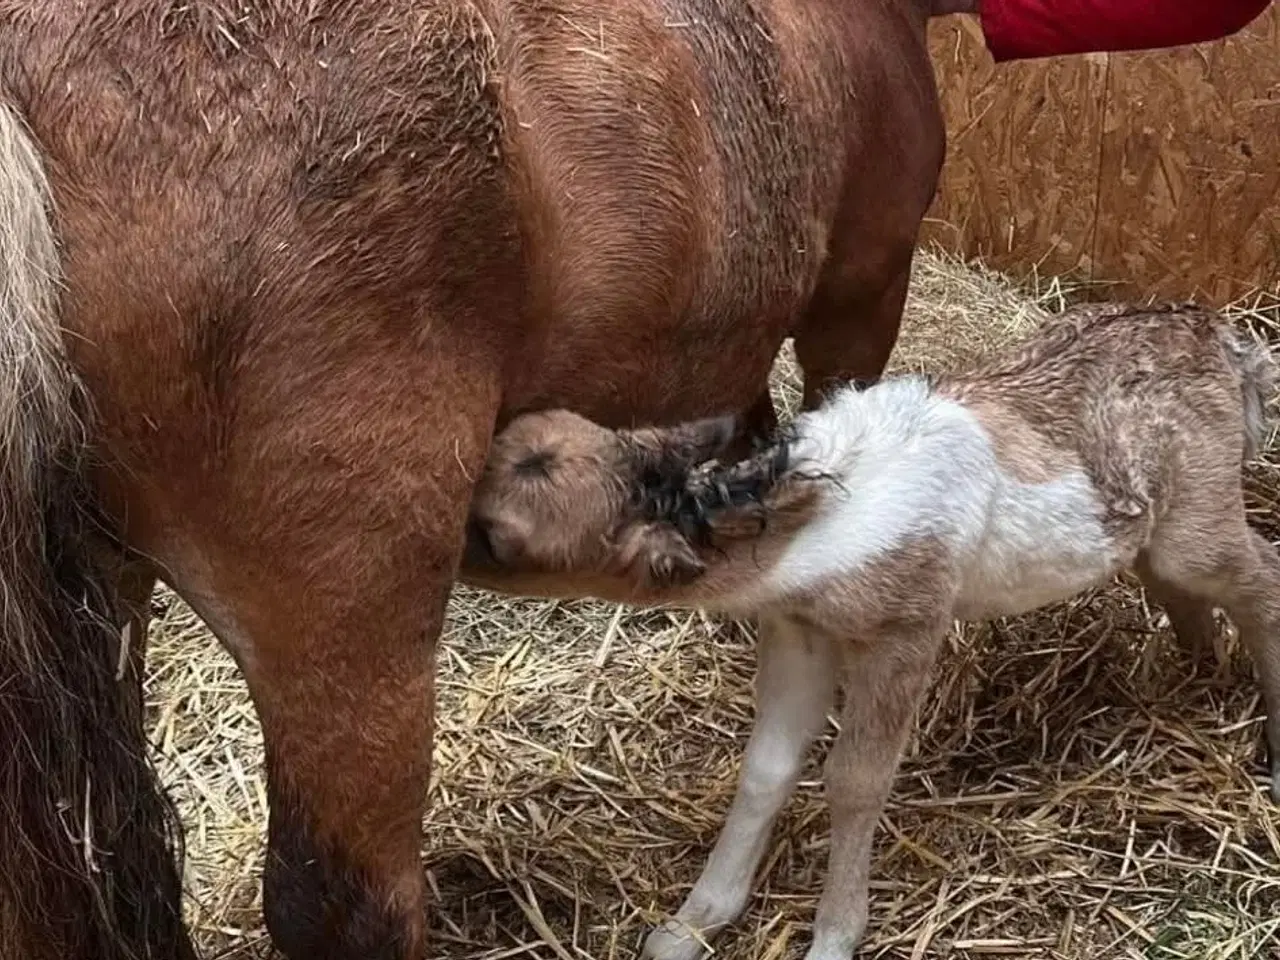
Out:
{"x": 88, "y": 845}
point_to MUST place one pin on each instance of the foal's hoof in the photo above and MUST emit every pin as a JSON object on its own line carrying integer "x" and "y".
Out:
{"x": 672, "y": 941}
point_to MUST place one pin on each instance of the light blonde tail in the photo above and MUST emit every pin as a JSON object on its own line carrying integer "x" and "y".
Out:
{"x": 38, "y": 401}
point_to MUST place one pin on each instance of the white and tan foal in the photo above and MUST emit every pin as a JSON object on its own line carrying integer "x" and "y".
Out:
{"x": 1113, "y": 439}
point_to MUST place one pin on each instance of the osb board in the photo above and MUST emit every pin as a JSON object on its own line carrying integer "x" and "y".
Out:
{"x": 1160, "y": 170}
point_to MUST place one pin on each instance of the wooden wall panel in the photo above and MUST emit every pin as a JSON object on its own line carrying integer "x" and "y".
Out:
{"x": 1160, "y": 170}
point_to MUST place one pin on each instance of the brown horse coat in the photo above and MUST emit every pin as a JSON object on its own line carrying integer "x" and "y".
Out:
{"x": 311, "y": 253}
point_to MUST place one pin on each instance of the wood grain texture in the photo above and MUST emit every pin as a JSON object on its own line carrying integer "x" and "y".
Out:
{"x": 1159, "y": 171}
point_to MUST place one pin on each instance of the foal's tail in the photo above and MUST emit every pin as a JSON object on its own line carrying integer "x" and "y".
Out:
{"x": 87, "y": 846}
{"x": 1254, "y": 365}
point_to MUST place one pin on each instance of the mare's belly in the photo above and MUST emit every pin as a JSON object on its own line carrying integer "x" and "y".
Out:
{"x": 678, "y": 218}
{"x": 625, "y": 379}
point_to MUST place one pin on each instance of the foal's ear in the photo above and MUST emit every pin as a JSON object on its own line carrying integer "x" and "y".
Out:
{"x": 674, "y": 450}
{"x": 703, "y": 440}
{"x": 655, "y": 556}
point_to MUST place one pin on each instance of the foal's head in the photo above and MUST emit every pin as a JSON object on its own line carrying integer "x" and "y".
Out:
{"x": 563, "y": 495}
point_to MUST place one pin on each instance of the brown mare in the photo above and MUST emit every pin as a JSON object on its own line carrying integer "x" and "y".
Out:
{"x": 272, "y": 272}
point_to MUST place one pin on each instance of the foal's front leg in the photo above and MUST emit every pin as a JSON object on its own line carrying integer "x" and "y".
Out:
{"x": 884, "y": 680}
{"x": 794, "y": 690}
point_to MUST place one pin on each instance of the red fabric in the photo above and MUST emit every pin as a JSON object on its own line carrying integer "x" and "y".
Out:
{"x": 1022, "y": 29}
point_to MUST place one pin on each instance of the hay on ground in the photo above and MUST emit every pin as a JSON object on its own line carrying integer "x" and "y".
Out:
{"x": 1076, "y": 789}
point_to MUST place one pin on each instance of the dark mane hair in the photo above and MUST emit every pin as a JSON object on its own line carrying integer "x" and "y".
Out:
{"x": 692, "y": 498}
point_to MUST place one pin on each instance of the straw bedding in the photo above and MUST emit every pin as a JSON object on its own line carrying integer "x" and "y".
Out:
{"x": 1077, "y": 788}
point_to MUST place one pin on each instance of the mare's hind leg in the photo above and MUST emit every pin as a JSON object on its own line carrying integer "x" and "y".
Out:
{"x": 1239, "y": 570}
{"x": 136, "y": 583}
{"x": 132, "y": 580}
{"x": 322, "y": 556}
{"x": 849, "y": 332}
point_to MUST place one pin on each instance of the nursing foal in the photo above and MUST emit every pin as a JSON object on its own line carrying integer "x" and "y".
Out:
{"x": 1112, "y": 439}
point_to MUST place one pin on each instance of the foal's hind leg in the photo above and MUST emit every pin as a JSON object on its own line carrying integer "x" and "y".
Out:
{"x": 1190, "y": 616}
{"x": 1241, "y": 571}
{"x": 1251, "y": 597}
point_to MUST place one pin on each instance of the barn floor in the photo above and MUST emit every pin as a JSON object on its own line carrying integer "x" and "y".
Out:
{"x": 1076, "y": 789}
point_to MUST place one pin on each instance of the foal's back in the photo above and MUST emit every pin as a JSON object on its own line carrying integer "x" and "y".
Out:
{"x": 1119, "y": 436}
{"x": 1114, "y": 390}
